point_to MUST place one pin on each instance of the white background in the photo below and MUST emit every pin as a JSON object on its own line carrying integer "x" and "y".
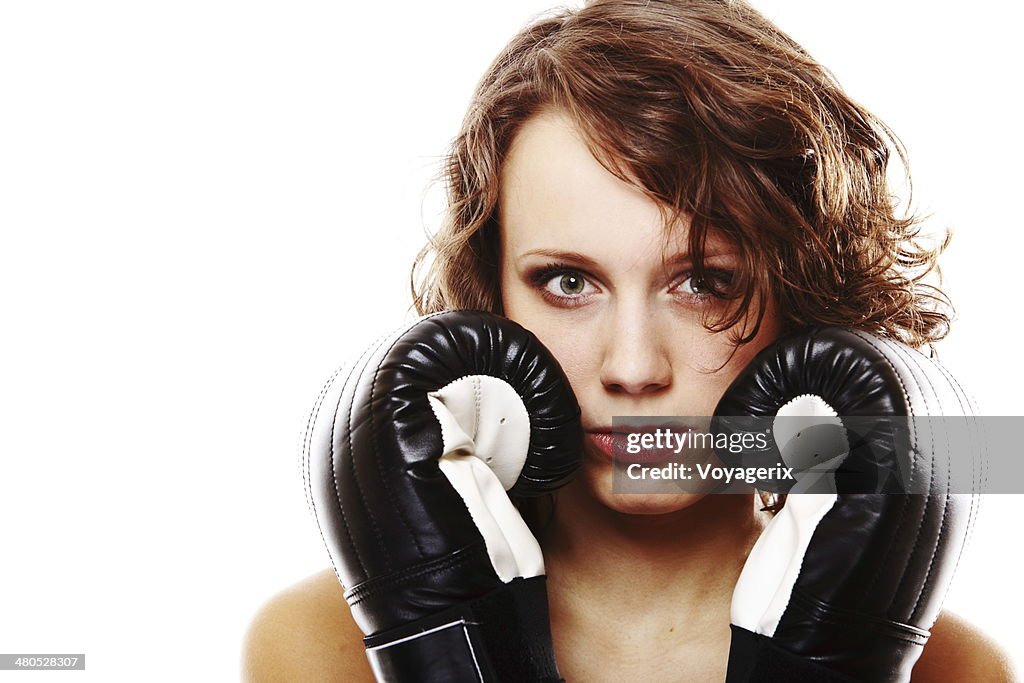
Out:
{"x": 207, "y": 206}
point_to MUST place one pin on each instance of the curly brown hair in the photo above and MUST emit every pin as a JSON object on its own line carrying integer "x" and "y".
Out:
{"x": 720, "y": 117}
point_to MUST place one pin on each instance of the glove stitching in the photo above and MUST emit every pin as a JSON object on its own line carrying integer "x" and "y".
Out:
{"x": 934, "y": 551}
{"x": 351, "y": 460}
{"x": 822, "y": 612}
{"x": 306, "y": 455}
{"x": 962, "y": 394}
{"x": 884, "y": 565}
{"x": 972, "y": 412}
{"x": 942, "y": 539}
{"x": 357, "y": 372}
{"x": 373, "y": 439}
{"x": 476, "y": 408}
{"x": 306, "y": 439}
{"x": 386, "y": 583}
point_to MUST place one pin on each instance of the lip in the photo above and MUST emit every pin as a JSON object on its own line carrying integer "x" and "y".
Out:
{"x": 611, "y": 443}
{"x": 634, "y": 427}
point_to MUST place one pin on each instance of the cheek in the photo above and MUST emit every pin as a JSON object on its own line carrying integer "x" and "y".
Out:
{"x": 706, "y": 365}
{"x": 769, "y": 332}
{"x": 564, "y": 341}
{"x": 558, "y": 332}
{"x": 573, "y": 356}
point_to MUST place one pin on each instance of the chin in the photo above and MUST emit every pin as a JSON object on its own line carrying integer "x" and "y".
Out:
{"x": 649, "y": 503}
{"x": 596, "y": 479}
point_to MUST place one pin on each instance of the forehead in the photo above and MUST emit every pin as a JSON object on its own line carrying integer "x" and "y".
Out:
{"x": 555, "y": 194}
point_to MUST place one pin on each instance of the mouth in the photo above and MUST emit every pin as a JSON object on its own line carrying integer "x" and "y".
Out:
{"x": 637, "y": 444}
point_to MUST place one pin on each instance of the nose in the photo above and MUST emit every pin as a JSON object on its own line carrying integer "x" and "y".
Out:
{"x": 636, "y": 359}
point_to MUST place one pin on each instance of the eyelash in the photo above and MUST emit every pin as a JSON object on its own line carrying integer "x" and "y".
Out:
{"x": 543, "y": 276}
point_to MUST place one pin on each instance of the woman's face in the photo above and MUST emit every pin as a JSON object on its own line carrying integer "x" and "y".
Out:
{"x": 585, "y": 267}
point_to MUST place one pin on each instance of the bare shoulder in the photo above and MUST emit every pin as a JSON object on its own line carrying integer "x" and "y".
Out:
{"x": 958, "y": 651}
{"x": 305, "y": 633}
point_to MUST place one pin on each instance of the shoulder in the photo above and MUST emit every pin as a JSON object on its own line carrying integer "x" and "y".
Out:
{"x": 305, "y": 632}
{"x": 958, "y": 651}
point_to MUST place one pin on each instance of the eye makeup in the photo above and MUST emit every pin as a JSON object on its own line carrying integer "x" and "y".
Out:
{"x": 568, "y": 286}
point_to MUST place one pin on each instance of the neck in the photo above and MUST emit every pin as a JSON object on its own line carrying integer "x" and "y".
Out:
{"x": 693, "y": 554}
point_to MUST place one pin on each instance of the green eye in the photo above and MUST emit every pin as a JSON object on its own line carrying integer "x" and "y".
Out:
{"x": 571, "y": 284}
{"x": 564, "y": 286}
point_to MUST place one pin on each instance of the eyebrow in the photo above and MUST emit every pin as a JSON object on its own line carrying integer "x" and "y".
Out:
{"x": 575, "y": 256}
{"x": 561, "y": 256}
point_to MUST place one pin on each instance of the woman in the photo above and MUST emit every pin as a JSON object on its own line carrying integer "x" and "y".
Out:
{"x": 657, "y": 190}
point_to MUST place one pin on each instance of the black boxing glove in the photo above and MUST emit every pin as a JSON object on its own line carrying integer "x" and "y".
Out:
{"x": 844, "y": 586}
{"x": 408, "y": 461}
